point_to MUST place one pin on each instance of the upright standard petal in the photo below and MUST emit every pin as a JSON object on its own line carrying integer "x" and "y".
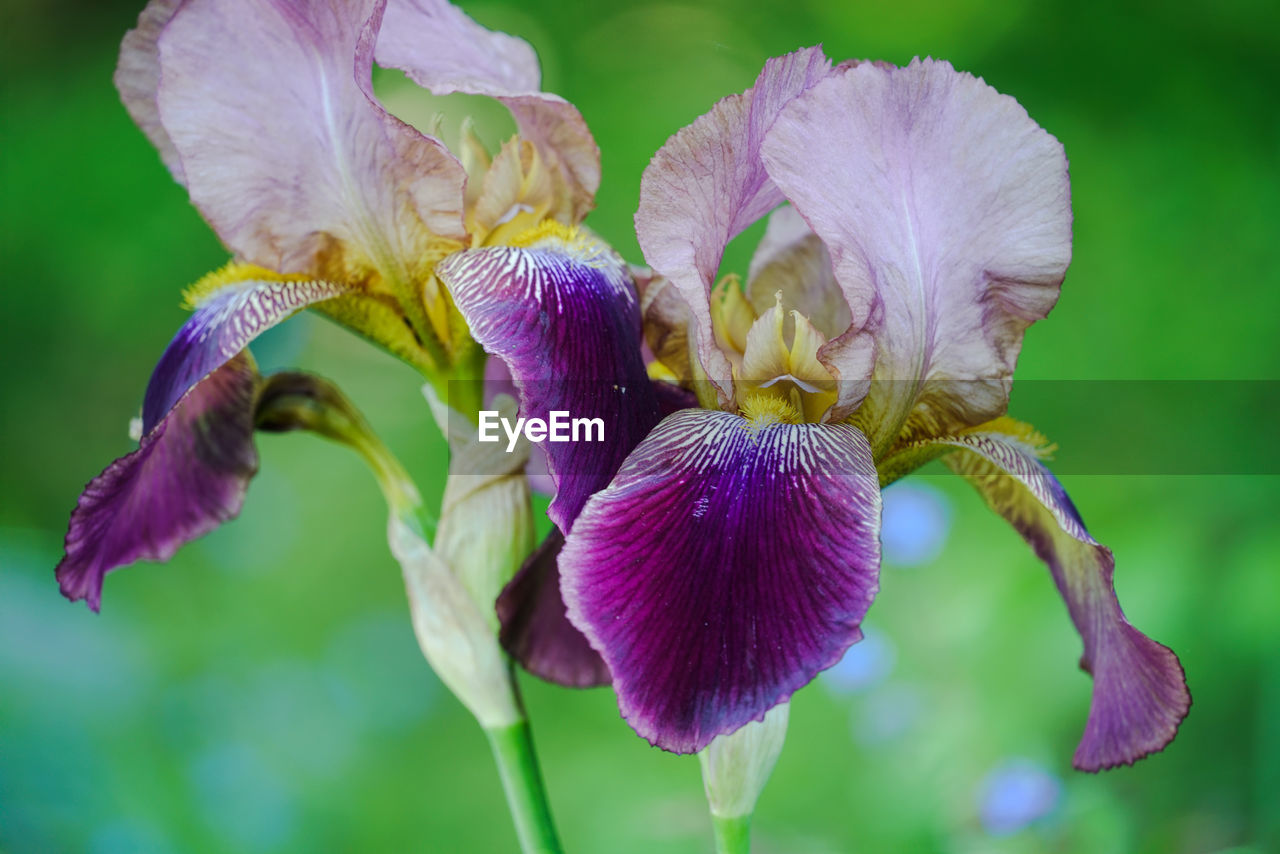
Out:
{"x": 723, "y": 568}
{"x": 240, "y": 304}
{"x": 1139, "y": 689}
{"x": 443, "y": 50}
{"x": 948, "y": 216}
{"x": 791, "y": 259}
{"x": 562, "y": 313}
{"x": 707, "y": 183}
{"x": 187, "y": 476}
{"x": 137, "y": 79}
{"x": 285, "y": 150}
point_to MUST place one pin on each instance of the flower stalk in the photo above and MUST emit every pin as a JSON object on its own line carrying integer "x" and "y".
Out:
{"x": 446, "y": 584}
{"x": 733, "y": 834}
{"x": 735, "y": 768}
{"x": 517, "y": 762}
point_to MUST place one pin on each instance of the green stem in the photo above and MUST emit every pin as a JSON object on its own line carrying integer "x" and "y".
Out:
{"x": 733, "y": 835}
{"x": 522, "y": 781}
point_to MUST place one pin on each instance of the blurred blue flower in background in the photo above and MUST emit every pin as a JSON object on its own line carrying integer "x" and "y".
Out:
{"x": 1016, "y": 793}
{"x": 915, "y": 522}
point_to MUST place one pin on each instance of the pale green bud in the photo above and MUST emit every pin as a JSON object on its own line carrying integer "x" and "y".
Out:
{"x": 736, "y": 766}
{"x": 484, "y": 535}
{"x": 486, "y": 519}
{"x": 455, "y": 635}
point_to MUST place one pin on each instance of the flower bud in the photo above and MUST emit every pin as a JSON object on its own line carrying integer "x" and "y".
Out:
{"x": 455, "y": 635}
{"x": 736, "y": 766}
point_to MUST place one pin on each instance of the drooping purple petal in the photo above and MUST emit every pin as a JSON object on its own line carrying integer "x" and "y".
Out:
{"x": 945, "y": 204}
{"x": 443, "y": 50}
{"x": 723, "y": 568}
{"x": 221, "y": 327}
{"x": 187, "y": 476}
{"x": 1139, "y": 690}
{"x": 535, "y": 629}
{"x": 285, "y": 150}
{"x": 707, "y": 183}
{"x": 563, "y": 316}
{"x": 138, "y": 79}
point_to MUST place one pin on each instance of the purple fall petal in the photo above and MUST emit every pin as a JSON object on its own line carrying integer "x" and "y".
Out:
{"x": 564, "y": 318}
{"x": 707, "y": 184}
{"x": 944, "y": 205}
{"x": 723, "y": 568}
{"x": 498, "y": 380}
{"x": 1139, "y": 690}
{"x": 443, "y": 50}
{"x": 220, "y": 328}
{"x": 187, "y": 477}
{"x": 286, "y": 151}
{"x": 535, "y": 629}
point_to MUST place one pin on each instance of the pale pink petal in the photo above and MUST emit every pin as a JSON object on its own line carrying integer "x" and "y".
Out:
{"x": 138, "y": 79}
{"x": 443, "y": 50}
{"x": 947, "y": 213}
{"x": 286, "y": 152}
{"x": 707, "y": 183}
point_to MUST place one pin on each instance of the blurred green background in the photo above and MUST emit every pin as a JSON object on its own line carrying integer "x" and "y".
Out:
{"x": 263, "y": 692}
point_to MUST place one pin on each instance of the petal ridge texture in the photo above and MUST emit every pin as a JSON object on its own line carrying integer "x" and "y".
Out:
{"x": 723, "y": 568}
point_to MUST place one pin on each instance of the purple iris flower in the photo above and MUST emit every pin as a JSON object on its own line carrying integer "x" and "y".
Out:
{"x": 264, "y": 111}
{"x": 733, "y": 555}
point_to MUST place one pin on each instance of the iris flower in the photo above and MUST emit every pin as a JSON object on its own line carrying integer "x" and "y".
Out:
{"x": 264, "y": 111}
{"x": 921, "y": 221}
